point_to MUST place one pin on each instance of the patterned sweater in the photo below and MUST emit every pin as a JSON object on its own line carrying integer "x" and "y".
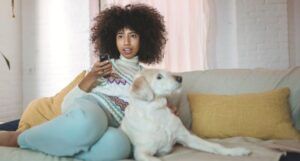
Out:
{"x": 112, "y": 92}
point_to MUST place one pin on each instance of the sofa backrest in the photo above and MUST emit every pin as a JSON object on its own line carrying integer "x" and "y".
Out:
{"x": 238, "y": 81}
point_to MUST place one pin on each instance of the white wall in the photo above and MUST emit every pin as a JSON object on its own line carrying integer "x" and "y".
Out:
{"x": 55, "y": 45}
{"x": 226, "y": 34}
{"x": 262, "y": 33}
{"x": 47, "y": 44}
{"x": 297, "y": 31}
{"x": 59, "y": 29}
{"x": 294, "y": 31}
{"x": 10, "y": 44}
{"x": 252, "y": 34}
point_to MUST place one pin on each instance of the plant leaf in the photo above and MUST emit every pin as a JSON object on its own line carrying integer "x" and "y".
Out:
{"x": 6, "y": 60}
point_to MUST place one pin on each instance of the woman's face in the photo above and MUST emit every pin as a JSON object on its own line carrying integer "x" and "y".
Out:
{"x": 128, "y": 42}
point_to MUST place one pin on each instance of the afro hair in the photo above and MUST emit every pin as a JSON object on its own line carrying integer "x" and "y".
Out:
{"x": 144, "y": 20}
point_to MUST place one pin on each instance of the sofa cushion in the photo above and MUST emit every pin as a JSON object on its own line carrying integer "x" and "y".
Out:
{"x": 45, "y": 109}
{"x": 238, "y": 81}
{"x": 263, "y": 115}
{"x": 261, "y": 151}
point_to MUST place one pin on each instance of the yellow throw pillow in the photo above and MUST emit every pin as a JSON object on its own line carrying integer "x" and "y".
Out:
{"x": 47, "y": 108}
{"x": 261, "y": 115}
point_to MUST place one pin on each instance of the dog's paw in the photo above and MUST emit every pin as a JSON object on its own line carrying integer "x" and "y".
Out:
{"x": 238, "y": 151}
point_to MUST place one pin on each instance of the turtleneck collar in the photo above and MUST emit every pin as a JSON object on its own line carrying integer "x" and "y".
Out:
{"x": 127, "y": 68}
{"x": 134, "y": 60}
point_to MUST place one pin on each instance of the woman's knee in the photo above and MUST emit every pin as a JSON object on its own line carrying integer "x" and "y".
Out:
{"x": 113, "y": 145}
{"x": 120, "y": 141}
{"x": 89, "y": 119}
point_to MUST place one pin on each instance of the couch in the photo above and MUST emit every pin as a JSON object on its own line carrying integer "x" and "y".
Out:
{"x": 217, "y": 83}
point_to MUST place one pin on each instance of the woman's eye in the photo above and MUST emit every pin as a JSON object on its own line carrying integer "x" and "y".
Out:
{"x": 134, "y": 36}
{"x": 119, "y": 36}
{"x": 159, "y": 76}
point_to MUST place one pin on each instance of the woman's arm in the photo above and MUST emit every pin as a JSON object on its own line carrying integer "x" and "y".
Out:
{"x": 99, "y": 69}
{"x": 173, "y": 108}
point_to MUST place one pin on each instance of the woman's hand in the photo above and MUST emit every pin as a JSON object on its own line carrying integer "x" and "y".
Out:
{"x": 99, "y": 69}
{"x": 173, "y": 108}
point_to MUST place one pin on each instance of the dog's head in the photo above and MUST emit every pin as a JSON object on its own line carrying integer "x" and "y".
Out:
{"x": 152, "y": 83}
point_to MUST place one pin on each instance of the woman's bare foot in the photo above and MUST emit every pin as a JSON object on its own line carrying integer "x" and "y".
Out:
{"x": 9, "y": 138}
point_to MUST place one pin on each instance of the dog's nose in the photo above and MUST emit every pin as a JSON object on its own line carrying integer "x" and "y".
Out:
{"x": 178, "y": 78}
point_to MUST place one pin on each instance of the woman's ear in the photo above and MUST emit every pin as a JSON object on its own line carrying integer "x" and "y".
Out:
{"x": 140, "y": 89}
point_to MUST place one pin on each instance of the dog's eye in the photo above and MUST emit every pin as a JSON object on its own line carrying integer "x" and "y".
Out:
{"x": 159, "y": 76}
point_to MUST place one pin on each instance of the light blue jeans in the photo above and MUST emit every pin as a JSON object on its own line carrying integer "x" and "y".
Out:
{"x": 82, "y": 132}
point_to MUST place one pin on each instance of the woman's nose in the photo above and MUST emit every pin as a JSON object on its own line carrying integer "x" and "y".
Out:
{"x": 126, "y": 40}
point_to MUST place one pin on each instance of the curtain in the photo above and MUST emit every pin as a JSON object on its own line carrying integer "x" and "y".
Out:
{"x": 187, "y": 24}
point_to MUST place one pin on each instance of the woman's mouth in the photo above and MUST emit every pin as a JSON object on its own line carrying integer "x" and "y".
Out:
{"x": 127, "y": 51}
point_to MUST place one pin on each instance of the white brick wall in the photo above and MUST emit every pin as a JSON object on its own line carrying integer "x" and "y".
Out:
{"x": 55, "y": 45}
{"x": 262, "y": 33}
{"x": 252, "y": 33}
{"x": 294, "y": 31}
{"x": 47, "y": 43}
{"x": 10, "y": 80}
{"x": 226, "y": 35}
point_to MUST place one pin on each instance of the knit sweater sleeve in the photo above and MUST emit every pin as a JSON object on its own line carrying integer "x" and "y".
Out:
{"x": 71, "y": 97}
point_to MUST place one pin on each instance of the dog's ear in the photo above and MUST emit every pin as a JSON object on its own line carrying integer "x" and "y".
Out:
{"x": 141, "y": 89}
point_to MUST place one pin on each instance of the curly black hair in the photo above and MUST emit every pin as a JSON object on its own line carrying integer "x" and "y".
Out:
{"x": 144, "y": 20}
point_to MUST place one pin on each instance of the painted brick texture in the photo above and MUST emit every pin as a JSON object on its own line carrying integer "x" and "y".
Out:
{"x": 262, "y": 33}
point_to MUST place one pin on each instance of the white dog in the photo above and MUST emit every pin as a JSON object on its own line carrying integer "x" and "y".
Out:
{"x": 151, "y": 126}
